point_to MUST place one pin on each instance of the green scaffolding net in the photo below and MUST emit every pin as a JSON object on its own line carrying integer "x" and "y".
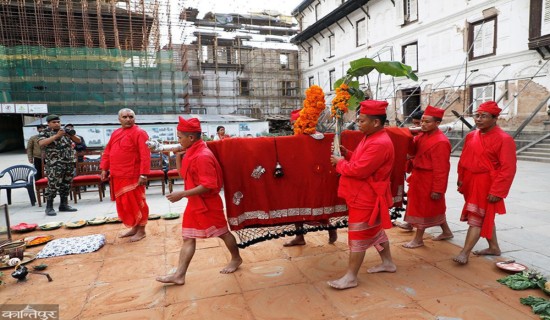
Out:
{"x": 93, "y": 80}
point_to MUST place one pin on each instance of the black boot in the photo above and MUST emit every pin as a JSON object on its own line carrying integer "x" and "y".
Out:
{"x": 64, "y": 205}
{"x": 49, "y": 208}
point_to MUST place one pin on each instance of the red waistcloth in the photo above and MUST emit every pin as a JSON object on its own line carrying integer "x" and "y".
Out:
{"x": 362, "y": 234}
{"x": 487, "y": 166}
{"x": 308, "y": 190}
{"x": 203, "y": 216}
{"x": 131, "y": 206}
{"x": 126, "y": 154}
{"x": 430, "y": 173}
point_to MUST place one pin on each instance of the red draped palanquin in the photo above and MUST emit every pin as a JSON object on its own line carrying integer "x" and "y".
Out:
{"x": 307, "y": 192}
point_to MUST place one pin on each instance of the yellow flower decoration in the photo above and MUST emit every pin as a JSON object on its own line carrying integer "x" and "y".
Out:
{"x": 314, "y": 104}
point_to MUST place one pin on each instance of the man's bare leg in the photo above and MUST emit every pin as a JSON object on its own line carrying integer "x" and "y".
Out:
{"x": 446, "y": 233}
{"x": 403, "y": 225}
{"x": 387, "y": 264}
{"x": 472, "y": 237}
{"x": 417, "y": 241}
{"x": 298, "y": 240}
{"x": 332, "y": 236}
{"x": 349, "y": 280}
{"x": 140, "y": 234}
{"x": 231, "y": 244}
{"x": 186, "y": 254}
{"x": 493, "y": 250}
{"x": 129, "y": 233}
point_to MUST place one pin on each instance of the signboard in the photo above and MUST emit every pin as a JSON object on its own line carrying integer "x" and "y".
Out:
{"x": 21, "y": 108}
{"x": 7, "y": 107}
{"x": 24, "y": 108}
{"x": 38, "y": 108}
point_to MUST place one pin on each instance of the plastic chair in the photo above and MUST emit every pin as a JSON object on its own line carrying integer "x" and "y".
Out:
{"x": 22, "y": 176}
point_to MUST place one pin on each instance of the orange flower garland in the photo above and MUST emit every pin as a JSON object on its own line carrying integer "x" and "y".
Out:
{"x": 314, "y": 104}
{"x": 340, "y": 103}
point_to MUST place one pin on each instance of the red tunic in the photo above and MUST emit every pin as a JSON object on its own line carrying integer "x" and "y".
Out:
{"x": 430, "y": 173}
{"x": 487, "y": 166}
{"x": 365, "y": 185}
{"x": 126, "y": 156}
{"x": 204, "y": 216}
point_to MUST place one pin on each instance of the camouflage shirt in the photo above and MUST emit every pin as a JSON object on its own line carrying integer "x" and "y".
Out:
{"x": 60, "y": 150}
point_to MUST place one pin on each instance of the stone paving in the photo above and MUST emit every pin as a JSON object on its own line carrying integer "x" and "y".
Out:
{"x": 117, "y": 282}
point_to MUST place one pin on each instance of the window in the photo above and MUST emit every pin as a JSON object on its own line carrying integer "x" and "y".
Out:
{"x": 360, "y": 32}
{"x": 288, "y": 88}
{"x": 480, "y": 93}
{"x": 539, "y": 27}
{"x": 223, "y": 55}
{"x": 310, "y": 55}
{"x": 310, "y": 81}
{"x": 197, "y": 110}
{"x": 482, "y": 38}
{"x": 204, "y": 54}
{"x": 245, "y": 111}
{"x": 331, "y": 46}
{"x": 196, "y": 86}
{"x": 331, "y": 78}
{"x": 409, "y": 53}
{"x": 410, "y": 8}
{"x": 244, "y": 90}
{"x": 317, "y": 11}
{"x": 284, "y": 60}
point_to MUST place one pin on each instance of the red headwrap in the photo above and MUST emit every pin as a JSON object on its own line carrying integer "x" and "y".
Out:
{"x": 490, "y": 107}
{"x": 191, "y": 125}
{"x": 373, "y": 107}
{"x": 295, "y": 114}
{"x": 434, "y": 112}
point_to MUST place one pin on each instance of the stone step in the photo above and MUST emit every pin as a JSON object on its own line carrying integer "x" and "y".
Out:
{"x": 543, "y": 145}
{"x": 537, "y": 149}
{"x": 534, "y": 159}
{"x": 530, "y": 153}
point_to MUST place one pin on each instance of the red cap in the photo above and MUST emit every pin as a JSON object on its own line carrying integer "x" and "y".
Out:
{"x": 434, "y": 112}
{"x": 490, "y": 107}
{"x": 373, "y": 107}
{"x": 191, "y": 125}
{"x": 295, "y": 114}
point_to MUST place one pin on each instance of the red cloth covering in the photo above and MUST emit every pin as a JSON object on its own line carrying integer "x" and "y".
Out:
{"x": 131, "y": 206}
{"x": 295, "y": 114}
{"x": 203, "y": 216}
{"x": 126, "y": 154}
{"x": 430, "y": 173}
{"x": 306, "y": 193}
{"x": 487, "y": 166}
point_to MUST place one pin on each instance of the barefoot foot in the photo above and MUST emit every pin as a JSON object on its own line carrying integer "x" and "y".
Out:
{"x": 332, "y": 236}
{"x": 346, "y": 282}
{"x": 443, "y": 236}
{"x": 487, "y": 252}
{"x": 130, "y": 233}
{"x": 403, "y": 225}
{"x": 384, "y": 267}
{"x": 413, "y": 244}
{"x": 461, "y": 259}
{"x": 138, "y": 236}
{"x": 171, "y": 278}
{"x": 232, "y": 266}
{"x": 295, "y": 242}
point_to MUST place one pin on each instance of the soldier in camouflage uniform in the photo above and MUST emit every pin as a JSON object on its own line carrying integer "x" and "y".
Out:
{"x": 59, "y": 163}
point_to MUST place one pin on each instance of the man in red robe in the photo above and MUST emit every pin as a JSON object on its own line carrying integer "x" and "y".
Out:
{"x": 486, "y": 170}
{"x": 365, "y": 185}
{"x": 428, "y": 180}
{"x": 128, "y": 161}
{"x": 204, "y": 215}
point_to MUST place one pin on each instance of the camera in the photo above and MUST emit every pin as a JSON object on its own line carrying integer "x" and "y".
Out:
{"x": 70, "y": 132}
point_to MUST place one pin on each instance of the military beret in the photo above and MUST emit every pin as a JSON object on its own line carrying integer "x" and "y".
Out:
{"x": 52, "y": 117}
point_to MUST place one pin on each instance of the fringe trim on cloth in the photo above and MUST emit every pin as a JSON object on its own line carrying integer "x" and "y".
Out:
{"x": 363, "y": 245}
{"x": 206, "y": 233}
{"x": 285, "y": 213}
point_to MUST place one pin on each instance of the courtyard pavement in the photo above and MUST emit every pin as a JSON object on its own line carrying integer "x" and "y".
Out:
{"x": 117, "y": 281}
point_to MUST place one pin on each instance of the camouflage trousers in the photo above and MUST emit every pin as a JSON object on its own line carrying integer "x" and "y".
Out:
{"x": 60, "y": 176}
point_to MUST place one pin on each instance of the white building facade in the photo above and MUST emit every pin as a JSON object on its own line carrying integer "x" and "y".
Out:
{"x": 464, "y": 52}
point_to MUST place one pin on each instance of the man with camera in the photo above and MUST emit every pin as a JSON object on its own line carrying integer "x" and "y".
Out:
{"x": 78, "y": 147}
{"x": 59, "y": 163}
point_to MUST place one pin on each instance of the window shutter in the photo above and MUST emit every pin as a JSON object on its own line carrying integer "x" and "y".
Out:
{"x": 488, "y": 34}
{"x": 411, "y": 52}
{"x": 545, "y": 21}
{"x": 399, "y": 12}
{"x": 413, "y": 10}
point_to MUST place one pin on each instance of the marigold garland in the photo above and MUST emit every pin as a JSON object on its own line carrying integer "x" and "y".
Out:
{"x": 314, "y": 104}
{"x": 340, "y": 103}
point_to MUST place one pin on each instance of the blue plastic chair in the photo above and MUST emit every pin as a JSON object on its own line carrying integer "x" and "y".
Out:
{"x": 22, "y": 176}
